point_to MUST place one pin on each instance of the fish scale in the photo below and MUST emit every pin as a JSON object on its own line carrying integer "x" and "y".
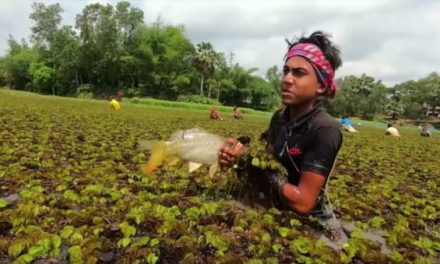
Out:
{"x": 202, "y": 149}
{"x": 195, "y": 145}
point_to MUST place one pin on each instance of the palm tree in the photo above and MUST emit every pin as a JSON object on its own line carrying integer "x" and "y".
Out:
{"x": 205, "y": 61}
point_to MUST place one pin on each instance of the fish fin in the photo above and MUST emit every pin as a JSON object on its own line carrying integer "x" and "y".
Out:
{"x": 157, "y": 157}
{"x": 193, "y": 166}
{"x": 172, "y": 160}
{"x": 213, "y": 169}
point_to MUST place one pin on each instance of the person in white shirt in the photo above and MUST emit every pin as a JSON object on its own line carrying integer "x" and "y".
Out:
{"x": 392, "y": 131}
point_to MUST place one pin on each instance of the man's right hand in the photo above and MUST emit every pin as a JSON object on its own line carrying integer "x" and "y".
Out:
{"x": 229, "y": 153}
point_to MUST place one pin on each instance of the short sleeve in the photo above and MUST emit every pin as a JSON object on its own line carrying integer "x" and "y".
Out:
{"x": 321, "y": 155}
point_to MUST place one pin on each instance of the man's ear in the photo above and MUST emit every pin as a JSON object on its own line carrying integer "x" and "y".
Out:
{"x": 321, "y": 90}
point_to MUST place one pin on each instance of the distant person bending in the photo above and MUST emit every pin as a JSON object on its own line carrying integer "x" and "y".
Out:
{"x": 302, "y": 136}
{"x": 119, "y": 96}
{"x": 114, "y": 104}
{"x": 426, "y": 130}
{"x": 215, "y": 115}
{"x": 237, "y": 113}
{"x": 347, "y": 124}
{"x": 392, "y": 131}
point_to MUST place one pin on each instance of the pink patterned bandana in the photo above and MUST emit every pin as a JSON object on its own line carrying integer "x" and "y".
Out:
{"x": 323, "y": 67}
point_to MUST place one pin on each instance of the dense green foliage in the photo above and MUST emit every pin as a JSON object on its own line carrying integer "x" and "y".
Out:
{"x": 72, "y": 188}
{"x": 189, "y": 106}
{"x": 111, "y": 49}
{"x": 366, "y": 97}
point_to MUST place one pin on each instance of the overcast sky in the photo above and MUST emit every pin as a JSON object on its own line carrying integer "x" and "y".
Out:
{"x": 391, "y": 40}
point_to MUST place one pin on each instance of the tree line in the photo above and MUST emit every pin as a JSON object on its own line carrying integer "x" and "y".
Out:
{"x": 111, "y": 48}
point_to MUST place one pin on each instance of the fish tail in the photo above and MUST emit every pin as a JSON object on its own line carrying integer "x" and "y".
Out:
{"x": 158, "y": 154}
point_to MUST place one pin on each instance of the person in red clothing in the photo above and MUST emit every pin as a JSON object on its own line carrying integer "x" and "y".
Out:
{"x": 119, "y": 96}
{"x": 215, "y": 115}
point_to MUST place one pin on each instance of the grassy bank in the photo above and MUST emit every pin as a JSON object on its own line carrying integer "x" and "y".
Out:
{"x": 192, "y": 106}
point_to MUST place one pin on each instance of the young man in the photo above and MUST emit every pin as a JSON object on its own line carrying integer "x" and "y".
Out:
{"x": 302, "y": 136}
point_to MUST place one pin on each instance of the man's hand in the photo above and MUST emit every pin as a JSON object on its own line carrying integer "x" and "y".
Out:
{"x": 229, "y": 153}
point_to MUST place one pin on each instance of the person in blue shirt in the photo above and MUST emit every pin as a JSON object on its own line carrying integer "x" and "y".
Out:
{"x": 347, "y": 124}
{"x": 346, "y": 121}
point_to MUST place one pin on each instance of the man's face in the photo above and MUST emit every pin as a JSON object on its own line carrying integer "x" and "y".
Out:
{"x": 299, "y": 83}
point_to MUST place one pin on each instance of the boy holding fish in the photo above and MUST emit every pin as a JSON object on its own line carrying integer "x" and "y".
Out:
{"x": 302, "y": 136}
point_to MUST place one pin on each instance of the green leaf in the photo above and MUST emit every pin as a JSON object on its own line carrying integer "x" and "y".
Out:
{"x": 295, "y": 223}
{"x": 272, "y": 260}
{"x": 304, "y": 259}
{"x": 71, "y": 195}
{"x": 24, "y": 259}
{"x": 210, "y": 208}
{"x": 152, "y": 258}
{"x": 255, "y": 162}
{"x": 396, "y": 256}
{"x": 123, "y": 243}
{"x": 283, "y": 231}
{"x": 254, "y": 261}
{"x": 142, "y": 241}
{"x": 193, "y": 213}
{"x": 76, "y": 238}
{"x": 216, "y": 241}
{"x": 302, "y": 245}
{"x": 67, "y": 231}
{"x": 36, "y": 251}
{"x": 268, "y": 218}
{"x": 75, "y": 255}
{"x": 277, "y": 247}
{"x": 96, "y": 188}
{"x": 436, "y": 246}
{"x": 263, "y": 164}
{"x": 25, "y": 193}
{"x": 136, "y": 213}
{"x": 376, "y": 222}
{"x": 154, "y": 242}
{"x": 356, "y": 233}
{"x": 56, "y": 246}
{"x": 127, "y": 229}
{"x": 423, "y": 261}
{"x": 351, "y": 249}
{"x": 45, "y": 243}
{"x": 15, "y": 249}
{"x": 3, "y": 203}
{"x": 97, "y": 231}
{"x": 265, "y": 237}
{"x": 56, "y": 242}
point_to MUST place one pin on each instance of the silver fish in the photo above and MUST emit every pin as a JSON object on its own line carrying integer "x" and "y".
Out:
{"x": 196, "y": 146}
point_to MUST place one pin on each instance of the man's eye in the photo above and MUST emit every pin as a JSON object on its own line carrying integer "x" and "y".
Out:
{"x": 298, "y": 72}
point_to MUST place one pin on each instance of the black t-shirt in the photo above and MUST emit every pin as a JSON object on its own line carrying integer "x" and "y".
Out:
{"x": 310, "y": 143}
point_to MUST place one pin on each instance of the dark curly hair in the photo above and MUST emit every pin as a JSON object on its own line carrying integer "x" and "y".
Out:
{"x": 322, "y": 40}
